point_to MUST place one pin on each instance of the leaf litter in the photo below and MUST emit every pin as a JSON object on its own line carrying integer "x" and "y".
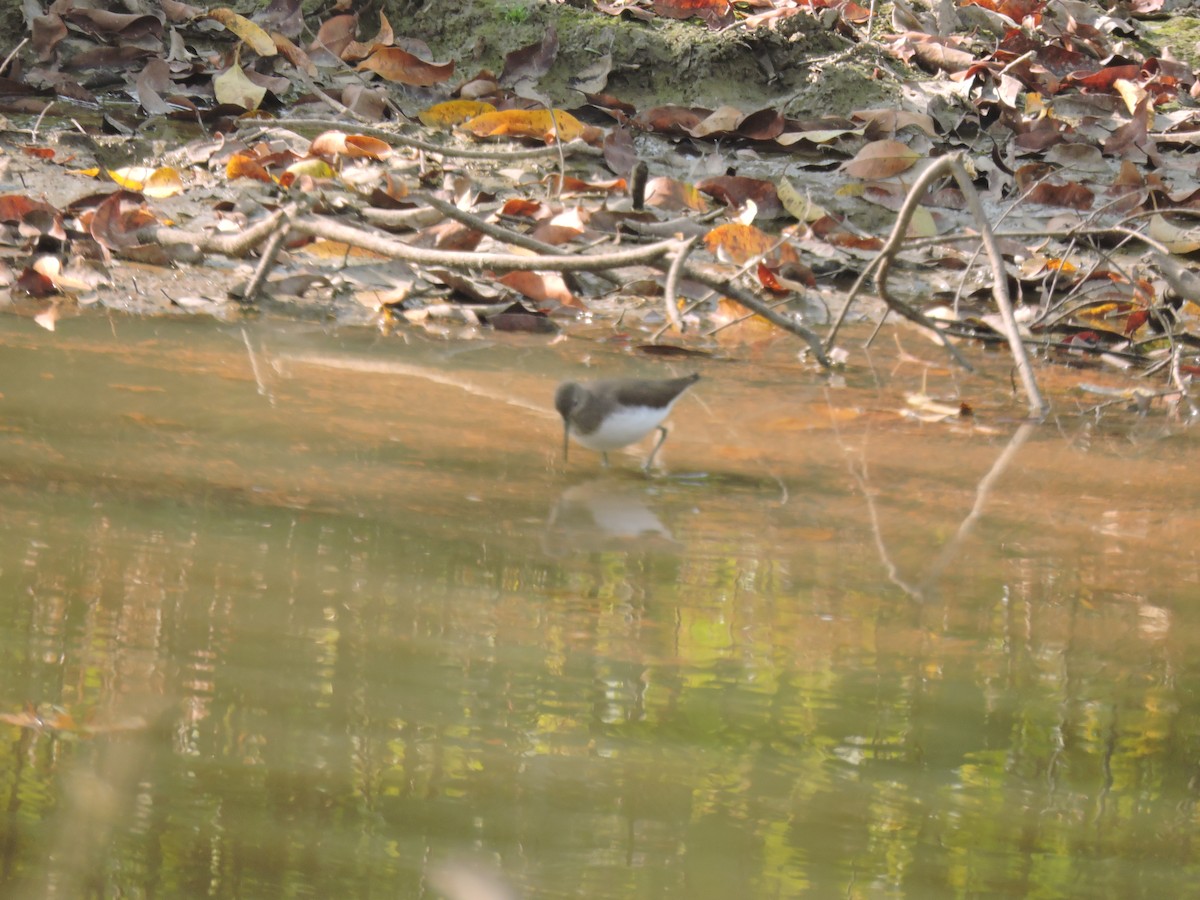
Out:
{"x": 337, "y": 168}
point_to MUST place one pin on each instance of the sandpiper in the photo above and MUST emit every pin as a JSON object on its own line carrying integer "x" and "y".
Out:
{"x": 608, "y": 415}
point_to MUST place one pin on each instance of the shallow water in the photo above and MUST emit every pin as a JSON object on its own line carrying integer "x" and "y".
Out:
{"x": 286, "y": 613}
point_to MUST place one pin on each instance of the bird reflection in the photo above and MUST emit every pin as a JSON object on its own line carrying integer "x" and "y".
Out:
{"x": 604, "y": 514}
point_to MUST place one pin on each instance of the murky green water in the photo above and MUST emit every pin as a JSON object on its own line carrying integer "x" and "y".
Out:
{"x": 286, "y": 614}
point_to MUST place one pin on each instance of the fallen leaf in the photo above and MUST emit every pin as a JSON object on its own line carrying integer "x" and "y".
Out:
{"x": 531, "y": 123}
{"x": 881, "y": 159}
{"x": 541, "y": 287}
{"x": 742, "y": 243}
{"x": 518, "y": 318}
{"x": 453, "y": 112}
{"x": 1177, "y": 240}
{"x": 401, "y": 66}
{"x": 255, "y": 38}
{"x": 738, "y": 190}
{"x": 233, "y": 87}
{"x": 532, "y": 62}
{"x": 335, "y": 34}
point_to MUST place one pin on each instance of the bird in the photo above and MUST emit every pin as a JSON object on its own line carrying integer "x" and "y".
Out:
{"x": 610, "y": 414}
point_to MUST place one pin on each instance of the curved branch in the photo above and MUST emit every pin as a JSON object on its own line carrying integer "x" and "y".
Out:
{"x": 319, "y": 226}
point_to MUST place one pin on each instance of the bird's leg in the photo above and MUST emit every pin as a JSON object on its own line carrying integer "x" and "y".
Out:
{"x": 604, "y": 458}
{"x": 662, "y": 436}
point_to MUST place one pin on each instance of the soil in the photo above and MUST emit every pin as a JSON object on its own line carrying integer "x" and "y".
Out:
{"x": 662, "y": 61}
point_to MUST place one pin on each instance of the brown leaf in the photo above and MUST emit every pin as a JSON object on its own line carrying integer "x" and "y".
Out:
{"x": 518, "y": 318}
{"x": 335, "y": 34}
{"x": 118, "y": 218}
{"x": 716, "y": 13}
{"x": 1104, "y": 79}
{"x": 721, "y": 121}
{"x": 129, "y": 27}
{"x": 399, "y": 65}
{"x": 385, "y": 38}
{"x": 673, "y": 195}
{"x": 541, "y": 287}
{"x": 671, "y": 119}
{"x": 762, "y": 125}
{"x": 45, "y": 33}
{"x": 33, "y": 217}
{"x": 532, "y": 62}
{"x": 294, "y": 54}
{"x": 177, "y": 12}
{"x": 735, "y": 190}
{"x": 153, "y": 81}
{"x": 1133, "y": 133}
{"x": 619, "y": 152}
{"x": 881, "y": 159}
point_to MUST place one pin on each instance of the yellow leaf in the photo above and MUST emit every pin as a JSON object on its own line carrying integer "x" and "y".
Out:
{"x": 164, "y": 182}
{"x": 532, "y": 123}
{"x": 453, "y": 112}
{"x": 132, "y": 178}
{"x": 255, "y": 38}
{"x": 799, "y": 206}
{"x": 313, "y": 168}
{"x": 232, "y": 86}
{"x": 1131, "y": 93}
{"x": 921, "y": 224}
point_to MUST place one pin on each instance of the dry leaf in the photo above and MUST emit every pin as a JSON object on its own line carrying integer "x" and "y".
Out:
{"x": 256, "y": 39}
{"x": 399, "y": 65}
{"x": 233, "y": 87}
{"x": 881, "y": 159}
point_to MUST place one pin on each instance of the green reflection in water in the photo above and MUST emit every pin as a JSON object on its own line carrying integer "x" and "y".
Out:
{"x": 271, "y": 701}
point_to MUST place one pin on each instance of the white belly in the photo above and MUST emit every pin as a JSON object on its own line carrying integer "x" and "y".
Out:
{"x": 623, "y": 428}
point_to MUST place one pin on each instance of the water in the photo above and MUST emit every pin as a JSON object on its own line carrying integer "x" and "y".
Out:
{"x": 293, "y": 614}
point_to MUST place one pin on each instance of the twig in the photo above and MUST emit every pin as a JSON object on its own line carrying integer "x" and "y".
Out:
{"x": 384, "y": 134}
{"x": 336, "y": 105}
{"x": 951, "y": 164}
{"x": 753, "y": 303}
{"x": 854, "y": 289}
{"x": 556, "y": 192}
{"x": 15, "y": 50}
{"x": 492, "y": 230}
{"x": 263, "y": 390}
{"x": 233, "y": 245}
{"x": 982, "y": 492}
{"x": 269, "y": 252}
{"x": 672, "y": 286}
{"x": 320, "y": 226}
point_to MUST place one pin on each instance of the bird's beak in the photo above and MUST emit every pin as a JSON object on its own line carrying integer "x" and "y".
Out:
{"x": 566, "y": 438}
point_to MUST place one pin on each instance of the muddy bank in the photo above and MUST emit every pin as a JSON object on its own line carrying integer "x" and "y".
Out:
{"x": 791, "y": 67}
